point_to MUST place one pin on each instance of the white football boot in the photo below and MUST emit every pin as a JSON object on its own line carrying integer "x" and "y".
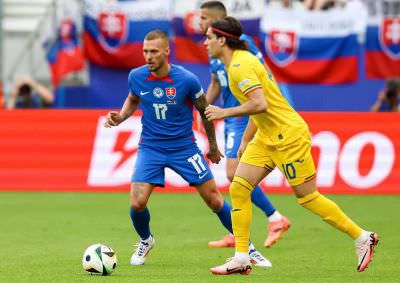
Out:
{"x": 142, "y": 250}
{"x": 232, "y": 266}
{"x": 365, "y": 251}
{"x": 257, "y": 259}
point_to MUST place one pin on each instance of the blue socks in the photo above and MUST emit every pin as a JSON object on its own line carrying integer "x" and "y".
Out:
{"x": 260, "y": 199}
{"x": 141, "y": 221}
{"x": 224, "y": 215}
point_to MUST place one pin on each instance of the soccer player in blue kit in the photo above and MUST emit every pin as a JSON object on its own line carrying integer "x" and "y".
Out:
{"x": 166, "y": 94}
{"x": 210, "y": 12}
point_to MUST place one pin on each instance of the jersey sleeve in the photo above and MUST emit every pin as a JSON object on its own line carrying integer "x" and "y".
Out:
{"x": 132, "y": 85}
{"x": 245, "y": 77}
{"x": 213, "y": 67}
{"x": 253, "y": 47}
{"x": 195, "y": 89}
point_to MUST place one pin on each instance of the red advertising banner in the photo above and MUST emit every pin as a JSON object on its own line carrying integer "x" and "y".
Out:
{"x": 70, "y": 150}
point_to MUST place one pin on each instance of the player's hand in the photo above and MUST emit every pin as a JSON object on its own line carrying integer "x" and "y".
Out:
{"x": 214, "y": 155}
{"x": 113, "y": 119}
{"x": 214, "y": 113}
{"x": 242, "y": 148}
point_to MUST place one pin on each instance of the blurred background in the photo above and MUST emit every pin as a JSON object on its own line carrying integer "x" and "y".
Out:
{"x": 332, "y": 55}
{"x": 65, "y": 63}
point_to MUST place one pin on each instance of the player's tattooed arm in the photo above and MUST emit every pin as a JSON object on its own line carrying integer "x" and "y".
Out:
{"x": 115, "y": 118}
{"x": 214, "y": 155}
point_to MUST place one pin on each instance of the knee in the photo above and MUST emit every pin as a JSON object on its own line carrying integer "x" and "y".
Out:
{"x": 240, "y": 191}
{"x": 138, "y": 205}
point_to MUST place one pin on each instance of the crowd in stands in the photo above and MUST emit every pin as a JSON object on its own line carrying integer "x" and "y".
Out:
{"x": 308, "y": 4}
{"x": 28, "y": 93}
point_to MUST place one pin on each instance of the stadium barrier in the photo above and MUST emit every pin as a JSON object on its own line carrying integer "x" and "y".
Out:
{"x": 70, "y": 150}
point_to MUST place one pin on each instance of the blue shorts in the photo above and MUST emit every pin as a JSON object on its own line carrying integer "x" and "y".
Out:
{"x": 233, "y": 137}
{"x": 188, "y": 162}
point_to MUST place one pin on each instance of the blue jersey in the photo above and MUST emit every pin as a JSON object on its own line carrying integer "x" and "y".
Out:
{"x": 167, "y": 105}
{"x": 218, "y": 69}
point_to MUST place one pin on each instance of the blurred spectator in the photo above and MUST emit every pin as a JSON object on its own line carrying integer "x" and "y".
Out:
{"x": 28, "y": 93}
{"x": 388, "y": 98}
{"x": 322, "y": 4}
{"x": 292, "y": 4}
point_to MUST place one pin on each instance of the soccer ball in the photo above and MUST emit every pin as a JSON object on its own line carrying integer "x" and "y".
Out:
{"x": 99, "y": 259}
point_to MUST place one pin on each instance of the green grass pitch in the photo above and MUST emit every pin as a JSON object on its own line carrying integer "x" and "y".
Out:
{"x": 43, "y": 236}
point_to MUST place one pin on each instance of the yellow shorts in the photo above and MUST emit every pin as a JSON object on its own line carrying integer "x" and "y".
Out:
{"x": 294, "y": 159}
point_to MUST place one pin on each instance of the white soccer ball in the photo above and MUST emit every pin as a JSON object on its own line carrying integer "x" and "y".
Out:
{"x": 99, "y": 259}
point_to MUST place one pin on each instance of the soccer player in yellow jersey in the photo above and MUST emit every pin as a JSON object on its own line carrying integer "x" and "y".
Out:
{"x": 276, "y": 135}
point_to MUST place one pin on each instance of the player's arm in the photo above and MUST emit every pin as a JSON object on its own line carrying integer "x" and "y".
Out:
{"x": 255, "y": 105}
{"x": 213, "y": 90}
{"x": 115, "y": 118}
{"x": 214, "y": 154}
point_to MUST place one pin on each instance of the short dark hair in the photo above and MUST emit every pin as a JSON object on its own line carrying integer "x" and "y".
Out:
{"x": 230, "y": 26}
{"x": 25, "y": 90}
{"x": 215, "y": 5}
{"x": 155, "y": 34}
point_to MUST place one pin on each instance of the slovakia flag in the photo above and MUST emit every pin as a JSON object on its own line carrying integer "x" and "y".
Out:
{"x": 114, "y": 32}
{"x": 188, "y": 38}
{"x": 312, "y": 47}
{"x": 382, "y": 54}
{"x": 65, "y": 55}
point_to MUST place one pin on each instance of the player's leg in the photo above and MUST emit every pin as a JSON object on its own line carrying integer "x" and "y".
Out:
{"x": 254, "y": 167}
{"x": 140, "y": 215}
{"x": 240, "y": 191}
{"x": 192, "y": 166}
{"x": 278, "y": 223}
{"x": 148, "y": 172}
{"x": 299, "y": 169}
{"x": 330, "y": 212}
{"x": 213, "y": 198}
{"x": 233, "y": 138}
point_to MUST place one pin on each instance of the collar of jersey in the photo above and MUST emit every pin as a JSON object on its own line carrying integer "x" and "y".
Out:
{"x": 167, "y": 78}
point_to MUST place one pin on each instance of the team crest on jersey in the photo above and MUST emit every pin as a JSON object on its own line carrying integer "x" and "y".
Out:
{"x": 281, "y": 46}
{"x": 170, "y": 92}
{"x": 389, "y": 37}
{"x": 113, "y": 27}
{"x": 158, "y": 92}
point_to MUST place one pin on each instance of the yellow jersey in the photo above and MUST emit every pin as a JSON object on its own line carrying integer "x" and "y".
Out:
{"x": 280, "y": 123}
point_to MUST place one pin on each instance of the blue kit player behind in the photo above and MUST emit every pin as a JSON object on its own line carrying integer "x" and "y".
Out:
{"x": 166, "y": 94}
{"x": 210, "y": 12}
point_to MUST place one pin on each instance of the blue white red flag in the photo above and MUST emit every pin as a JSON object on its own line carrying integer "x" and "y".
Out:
{"x": 114, "y": 31}
{"x": 189, "y": 40}
{"x": 313, "y": 47}
{"x": 382, "y": 48}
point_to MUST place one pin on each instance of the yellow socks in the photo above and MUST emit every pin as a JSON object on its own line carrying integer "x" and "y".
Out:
{"x": 240, "y": 191}
{"x": 331, "y": 213}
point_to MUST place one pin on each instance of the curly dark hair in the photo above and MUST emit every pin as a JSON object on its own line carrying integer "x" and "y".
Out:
{"x": 231, "y": 29}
